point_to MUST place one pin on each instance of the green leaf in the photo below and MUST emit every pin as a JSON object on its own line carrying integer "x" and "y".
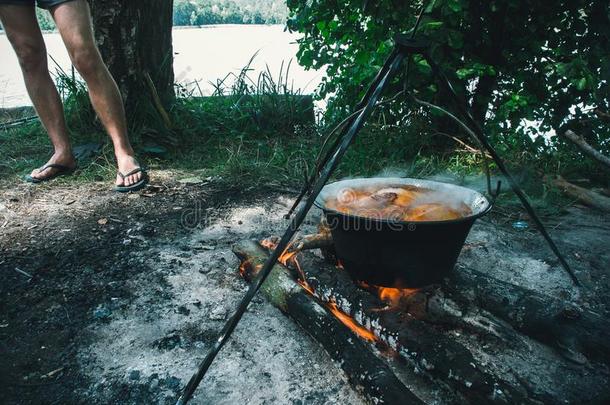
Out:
{"x": 423, "y": 66}
{"x": 432, "y": 25}
{"x": 454, "y": 5}
{"x": 464, "y": 73}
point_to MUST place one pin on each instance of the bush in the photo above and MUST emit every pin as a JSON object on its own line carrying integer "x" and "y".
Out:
{"x": 512, "y": 61}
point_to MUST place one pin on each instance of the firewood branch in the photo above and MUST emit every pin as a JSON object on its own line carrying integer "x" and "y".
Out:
{"x": 586, "y": 148}
{"x": 581, "y": 194}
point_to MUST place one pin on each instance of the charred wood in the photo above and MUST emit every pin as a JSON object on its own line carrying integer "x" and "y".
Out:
{"x": 366, "y": 372}
{"x": 432, "y": 353}
{"x": 557, "y": 323}
{"x": 411, "y": 331}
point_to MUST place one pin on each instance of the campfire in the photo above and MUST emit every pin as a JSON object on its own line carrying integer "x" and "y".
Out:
{"x": 290, "y": 259}
{"x": 449, "y": 331}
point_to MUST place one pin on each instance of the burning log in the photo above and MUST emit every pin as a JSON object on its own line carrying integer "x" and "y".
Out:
{"x": 554, "y": 322}
{"x": 444, "y": 360}
{"x": 410, "y": 330}
{"x": 364, "y": 370}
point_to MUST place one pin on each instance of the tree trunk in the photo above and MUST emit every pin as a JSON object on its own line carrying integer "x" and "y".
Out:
{"x": 135, "y": 39}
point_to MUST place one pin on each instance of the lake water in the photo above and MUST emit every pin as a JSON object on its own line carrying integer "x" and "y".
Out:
{"x": 204, "y": 54}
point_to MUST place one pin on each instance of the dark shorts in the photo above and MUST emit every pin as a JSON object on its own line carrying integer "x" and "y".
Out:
{"x": 47, "y": 4}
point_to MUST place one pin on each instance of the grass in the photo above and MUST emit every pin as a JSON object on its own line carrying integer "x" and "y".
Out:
{"x": 254, "y": 131}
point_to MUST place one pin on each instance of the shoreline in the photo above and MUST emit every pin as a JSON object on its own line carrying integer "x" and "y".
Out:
{"x": 188, "y": 27}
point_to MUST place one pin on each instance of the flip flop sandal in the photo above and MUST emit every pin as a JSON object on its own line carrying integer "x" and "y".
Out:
{"x": 136, "y": 186}
{"x": 61, "y": 171}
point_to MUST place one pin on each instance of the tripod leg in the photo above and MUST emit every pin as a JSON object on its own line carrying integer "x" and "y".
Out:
{"x": 307, "y": 186}
{"x": 478, "y": 131}
{"x": 325, "y": 174}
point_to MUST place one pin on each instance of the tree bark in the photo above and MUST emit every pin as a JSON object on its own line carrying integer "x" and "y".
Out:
{"x": 135, "y": 39}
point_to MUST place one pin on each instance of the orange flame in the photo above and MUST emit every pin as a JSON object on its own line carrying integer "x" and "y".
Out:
{"x": 393, "y": 296}
{"x": 284, "y": 257}
{"x": 332, "y": 306}
{"x": 243, "y": 268}
{"x": 351, "y": 323}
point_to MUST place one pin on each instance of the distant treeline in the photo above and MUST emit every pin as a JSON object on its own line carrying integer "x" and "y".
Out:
{"x": 203, "y": 12}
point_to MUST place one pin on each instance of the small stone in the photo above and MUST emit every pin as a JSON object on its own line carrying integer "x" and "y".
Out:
{"x": 134, "y": 375}
{"x": 101, "y": 312}
{"x": 183, "y": 310}
{"x": 173, "y": 383}
{"x": 204, "y": 270}
{"x": 218, "y": 314}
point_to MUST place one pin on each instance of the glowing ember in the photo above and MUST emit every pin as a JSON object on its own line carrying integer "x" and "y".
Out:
{"x": 351, "y": 323}
{"x": 246, "y": 267}
{"x": 390, "y": 295}
{"x": 243, "y": 268}
{"x": 306, "y": 286}
{"x": 287, "y": 258}
{"x": 393, "y": 296}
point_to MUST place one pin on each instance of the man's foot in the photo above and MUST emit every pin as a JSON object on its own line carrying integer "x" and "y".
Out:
{"x": 127, "y": 164}
{"x": 66, "y": 160}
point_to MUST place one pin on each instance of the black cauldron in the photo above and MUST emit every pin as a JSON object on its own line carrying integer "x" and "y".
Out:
{"x": 397, "y": 253}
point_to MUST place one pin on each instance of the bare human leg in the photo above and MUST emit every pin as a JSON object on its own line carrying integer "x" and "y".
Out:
{"x": 73, "y": 21}
{"x": 24, "y": 34}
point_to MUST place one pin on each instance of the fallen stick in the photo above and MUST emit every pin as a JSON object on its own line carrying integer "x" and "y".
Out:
{"x": 583, "y": 195}
{"x": 586, "y": 148}
{"x": 365, "y": 371}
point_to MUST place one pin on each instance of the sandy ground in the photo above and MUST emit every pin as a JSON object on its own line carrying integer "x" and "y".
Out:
{"x": 109, "y": 298}
{"x": 127, "y": 293}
